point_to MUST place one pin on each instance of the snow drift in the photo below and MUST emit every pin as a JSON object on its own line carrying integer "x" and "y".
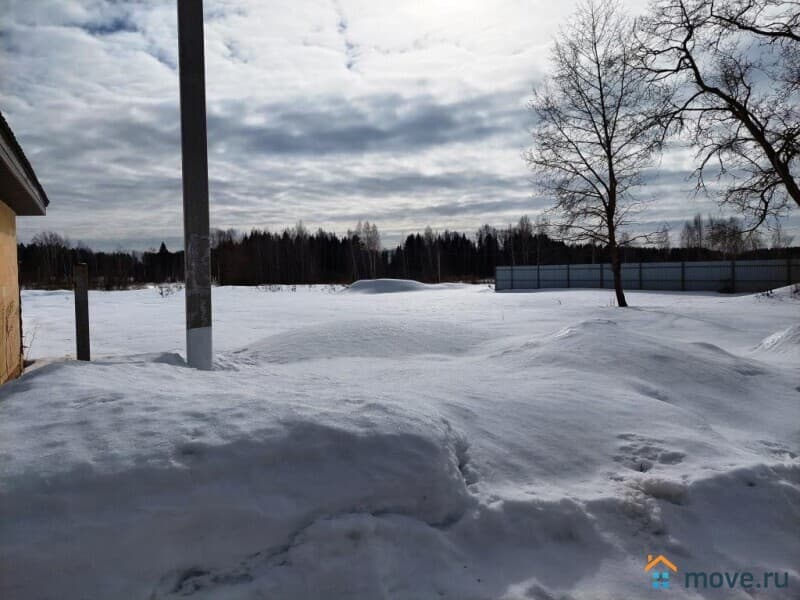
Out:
{"x": 388, "y": 286}
{"x": 445, "y": 444}
{"x": 379, "y": 337}
{"x": 785, "y": 342}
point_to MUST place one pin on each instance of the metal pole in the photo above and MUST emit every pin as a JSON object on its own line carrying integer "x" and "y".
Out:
{"x": 195, "y": 184}
{"x": 80, "y": 276}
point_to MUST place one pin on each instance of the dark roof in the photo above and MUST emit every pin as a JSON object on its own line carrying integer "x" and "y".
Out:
{"x": 11, "y": 143}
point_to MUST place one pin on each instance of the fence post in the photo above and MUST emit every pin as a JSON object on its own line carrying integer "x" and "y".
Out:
{"x": 640, "y": 274}
{"x": 81, "y": 282}
{"x": 602, "y": 275}
{"x": 788, "y": 270}
{"x": 683, "y": 275}
{"x": 568, "y": 279}
{"x": 733, "y": 275}
{"x": 538, "y": 278}
{"x": 511, "y": 271}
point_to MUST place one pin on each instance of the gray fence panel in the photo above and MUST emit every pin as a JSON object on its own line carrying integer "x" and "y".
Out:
{"x": 584, "y": 276}
{"x": 608, "y": 277}
{"x": 661, "y": 276}
{"x": 502, "y": 278}
{"x": 553, "y": 276}
{"x": 526, "y": 277}
{"x": 711, "y": 276}
{"x": 630, "y": 276}
{"x": 756, "y": 275}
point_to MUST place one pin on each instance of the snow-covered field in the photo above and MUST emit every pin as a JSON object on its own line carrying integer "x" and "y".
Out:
{"x": 427, "y": 442}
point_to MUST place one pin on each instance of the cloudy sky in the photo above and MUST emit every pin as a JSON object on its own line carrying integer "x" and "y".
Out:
{"x": 406, "y": 113}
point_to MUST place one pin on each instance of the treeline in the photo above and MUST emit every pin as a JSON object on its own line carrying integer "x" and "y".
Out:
{"x": 48, "y": 260}
{"x": 297, "y": 256}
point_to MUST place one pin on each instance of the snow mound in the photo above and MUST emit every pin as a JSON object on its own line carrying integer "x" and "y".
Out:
{"x": 375, "y": 338}
{"x": 386, "y": 286}
{"x": 472, "y": 558}
{"x": 785, "y": 293}
{"x": 201, "y": 481}
{"x": 688, "y": 375}
{"x": 456, "y": 444}
{"x": 786, "y": 342}
{"x": 526, "y": 540}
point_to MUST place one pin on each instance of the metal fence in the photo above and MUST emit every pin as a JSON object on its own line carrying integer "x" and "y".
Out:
{"x": 713, "y": 276}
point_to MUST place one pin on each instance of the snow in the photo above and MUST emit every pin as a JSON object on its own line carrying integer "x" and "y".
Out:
{"x": 785, "y": 342}
{"x": 386, "y": 286}
{"x": 432, "y": 442}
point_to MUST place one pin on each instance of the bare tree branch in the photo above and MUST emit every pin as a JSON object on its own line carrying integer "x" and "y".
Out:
{"x": 734, "y": 67}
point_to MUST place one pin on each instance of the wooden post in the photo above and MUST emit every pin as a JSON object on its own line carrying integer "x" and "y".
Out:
{"x": 80, "y": 277}
{"x": 683, "y": 275}
{"x": 195, "y": 184}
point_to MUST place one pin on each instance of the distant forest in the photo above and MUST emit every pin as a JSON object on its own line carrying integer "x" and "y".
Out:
{"x": 297, "y": 256}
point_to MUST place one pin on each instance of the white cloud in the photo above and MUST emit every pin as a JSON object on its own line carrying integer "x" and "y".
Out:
{"x": 405, "y": 113}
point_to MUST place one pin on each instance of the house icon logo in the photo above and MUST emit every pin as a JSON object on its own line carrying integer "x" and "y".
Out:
{"x": 659, "y": 568}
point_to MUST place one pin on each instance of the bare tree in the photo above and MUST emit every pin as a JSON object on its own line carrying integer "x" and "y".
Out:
{"x": 431, "y": 245}
{"x": 542, "y": 226}
{"x": 366, "y": 239}
{"x": 595, "y": 133}
{"x": 780, "y": 240}
{"x": 372, "y": 245}
{"x": 726, "y": 236}
{"x": 773, "y": 19}
{"x": 734, "y": 67}
{"x": 662, "y": 241}
{"x": 693, "y": 234}
{"x": 55, "y": 252}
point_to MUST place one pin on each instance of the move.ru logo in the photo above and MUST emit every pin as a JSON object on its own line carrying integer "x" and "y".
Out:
{"x": 659, "y": 568}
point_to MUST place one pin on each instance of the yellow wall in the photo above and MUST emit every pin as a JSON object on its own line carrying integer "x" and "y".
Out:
{"x": 10, "y": 356}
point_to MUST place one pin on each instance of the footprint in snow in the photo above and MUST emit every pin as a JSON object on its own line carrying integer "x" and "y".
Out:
{"x": 642, "y": 453}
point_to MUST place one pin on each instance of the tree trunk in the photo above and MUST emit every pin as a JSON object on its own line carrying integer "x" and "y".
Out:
{"x": 355, "y": 265}
{"x": 616, "y": 269}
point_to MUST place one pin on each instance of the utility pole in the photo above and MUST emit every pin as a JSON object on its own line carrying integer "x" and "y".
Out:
{"x": 197, "y": 249}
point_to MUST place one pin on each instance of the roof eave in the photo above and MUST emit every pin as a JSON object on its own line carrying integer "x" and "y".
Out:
{"x": 19, "y": 192}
